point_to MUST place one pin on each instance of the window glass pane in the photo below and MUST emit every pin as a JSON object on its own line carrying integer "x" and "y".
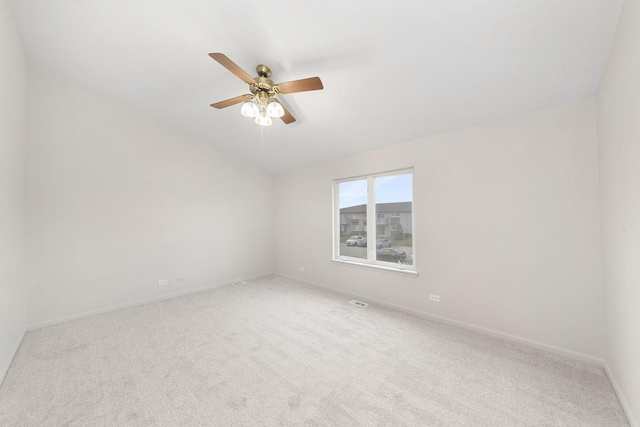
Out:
{"x": 353, "y": 218}
{"x": 394, "y": 218}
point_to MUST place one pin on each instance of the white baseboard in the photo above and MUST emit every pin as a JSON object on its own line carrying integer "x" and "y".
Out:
{"x": 621, "y": 397}
{"x": 532, "y": 343}
{"x": 140, "y": 302}
{"x": 5, "y": 368}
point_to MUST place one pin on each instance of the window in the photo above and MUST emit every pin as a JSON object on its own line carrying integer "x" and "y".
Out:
{"x": 390, "y": 196}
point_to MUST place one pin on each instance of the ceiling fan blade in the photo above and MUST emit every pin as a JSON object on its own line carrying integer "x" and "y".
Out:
{"x": 287, "y": 118}
{"x": 231, "y": 66}
{"x": 312, "y": 83}
{"x": 232, "y": 101}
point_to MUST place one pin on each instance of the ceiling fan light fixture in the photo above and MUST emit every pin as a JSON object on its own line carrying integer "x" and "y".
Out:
{"x": 263, "y": 120}
{"x": 249, "y": 109}
{"x": 274, "y": 109}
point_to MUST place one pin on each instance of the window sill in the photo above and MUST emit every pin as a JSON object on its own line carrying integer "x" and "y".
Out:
{"x": 384, "y": 268}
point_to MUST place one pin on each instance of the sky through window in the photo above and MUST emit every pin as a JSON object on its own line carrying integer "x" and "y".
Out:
{"x": 389, "y": 189}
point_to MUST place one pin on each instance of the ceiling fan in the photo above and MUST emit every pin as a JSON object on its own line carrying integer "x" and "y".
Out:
{"x": 262, "y": 104}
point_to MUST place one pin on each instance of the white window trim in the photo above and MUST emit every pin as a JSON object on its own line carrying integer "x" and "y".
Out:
{"x": 371, "y": 261}
{"x": 351, "y": 263}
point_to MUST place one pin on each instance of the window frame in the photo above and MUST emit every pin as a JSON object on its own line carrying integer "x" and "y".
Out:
{"x": 371, "y": 226}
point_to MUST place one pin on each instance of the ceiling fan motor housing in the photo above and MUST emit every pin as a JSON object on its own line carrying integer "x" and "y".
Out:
{"x": 263, "y": 82}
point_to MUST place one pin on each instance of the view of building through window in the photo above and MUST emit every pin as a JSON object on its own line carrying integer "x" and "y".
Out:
{"x": 353, "y": 219}
{"x": 384, "y": 235}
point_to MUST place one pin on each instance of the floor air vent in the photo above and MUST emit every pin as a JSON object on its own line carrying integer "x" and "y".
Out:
{"x": 358, "y": 303}
{"x": 239, "y": 283}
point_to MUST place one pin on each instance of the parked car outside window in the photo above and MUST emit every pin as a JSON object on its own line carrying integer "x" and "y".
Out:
{"x": 383, "y": 243}
{"x": 390, "y": 254}
{"x": 353, "y": 240}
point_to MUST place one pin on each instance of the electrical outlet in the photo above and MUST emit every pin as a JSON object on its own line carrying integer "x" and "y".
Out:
{"x": 434, "y": 298}
{"x": 162, "y": 282}
{"x": 301, "y": 268}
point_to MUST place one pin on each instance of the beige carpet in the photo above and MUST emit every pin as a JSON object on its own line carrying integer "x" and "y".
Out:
{"x": 277, "y": 353}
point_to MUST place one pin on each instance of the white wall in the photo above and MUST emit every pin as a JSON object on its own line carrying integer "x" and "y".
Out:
{"x": 506, "y": 225}
{"x": 118, "y": 201}
{"x": 13, "y": 187}
{"x": 619, "y": 161}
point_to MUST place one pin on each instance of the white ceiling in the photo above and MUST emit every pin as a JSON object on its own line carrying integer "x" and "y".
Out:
{"x": 392, "y": 71}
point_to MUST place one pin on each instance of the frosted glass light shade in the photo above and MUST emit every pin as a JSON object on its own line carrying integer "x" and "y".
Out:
{"x": 249, "y": 109}
{"x": 274, "y": 109}
{"x": 263, "y": 119}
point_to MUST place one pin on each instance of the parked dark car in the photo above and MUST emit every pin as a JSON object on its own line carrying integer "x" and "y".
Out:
{"x": 362, "y": 242}
{"x": 383, "y": 243}
{"x": 390, "y": 254}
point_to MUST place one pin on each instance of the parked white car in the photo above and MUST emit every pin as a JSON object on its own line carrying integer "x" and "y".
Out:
{"x": 354, "y": 240}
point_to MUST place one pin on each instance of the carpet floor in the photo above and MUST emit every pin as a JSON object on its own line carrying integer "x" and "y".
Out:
{"x": 275, "y": 352}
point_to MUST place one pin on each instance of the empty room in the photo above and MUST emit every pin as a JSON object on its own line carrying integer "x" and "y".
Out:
{"x": 240, "y": 213}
